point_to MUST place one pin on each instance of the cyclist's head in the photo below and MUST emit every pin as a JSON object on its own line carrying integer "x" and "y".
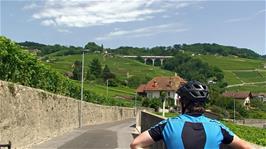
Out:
{"x": 193, "y": 96}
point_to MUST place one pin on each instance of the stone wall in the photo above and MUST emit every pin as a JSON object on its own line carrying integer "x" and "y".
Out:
{"x": 261, "y": 123}
{"x": 29, "y": 116}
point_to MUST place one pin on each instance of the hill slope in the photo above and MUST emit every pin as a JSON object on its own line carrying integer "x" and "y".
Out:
{"x": 240, "y": 73}
{"x": 123, "y": 68}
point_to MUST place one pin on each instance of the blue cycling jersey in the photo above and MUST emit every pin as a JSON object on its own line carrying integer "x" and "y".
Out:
{"x": 191, "y": 132}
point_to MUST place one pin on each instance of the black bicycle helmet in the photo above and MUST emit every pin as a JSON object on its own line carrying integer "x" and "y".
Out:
{"x": 193, "y": 91}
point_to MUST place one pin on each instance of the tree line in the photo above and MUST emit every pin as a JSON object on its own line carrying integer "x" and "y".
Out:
{"x": 197, "y": 48}
{"x": 94, "y": 72}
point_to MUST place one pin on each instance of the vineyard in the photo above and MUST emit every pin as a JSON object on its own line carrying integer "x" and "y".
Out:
{"x": 19, "y": 66}
{"x": 251, "y": 134}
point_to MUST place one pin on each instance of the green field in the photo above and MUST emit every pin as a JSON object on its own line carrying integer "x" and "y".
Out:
{"x": 258, "y": 88}
{"x": 232, "y": 63}
{"x": 121, "y": 67}
{"x": 239, "y": 70}
{"x": 231, "y": 77}
{"x": 252, "y": 76}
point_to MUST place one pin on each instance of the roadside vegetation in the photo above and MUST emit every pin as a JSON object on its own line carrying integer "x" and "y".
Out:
{"x": 251, "y": 134}
{"x": 19, "y": 66}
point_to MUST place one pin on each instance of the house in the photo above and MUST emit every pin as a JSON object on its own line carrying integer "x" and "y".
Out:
{"x": 157, "y": 85}
{"x": 141, "y": 90}
{"x": 242, "y": 96}
{"x": 238, "y": 95}
{"x": 261, "y": 96}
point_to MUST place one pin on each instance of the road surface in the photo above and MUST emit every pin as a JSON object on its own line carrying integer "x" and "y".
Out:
{"x": 115, "y": 135}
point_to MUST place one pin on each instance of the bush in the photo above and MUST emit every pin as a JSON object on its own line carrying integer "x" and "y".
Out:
{"x": 152, "y": 103}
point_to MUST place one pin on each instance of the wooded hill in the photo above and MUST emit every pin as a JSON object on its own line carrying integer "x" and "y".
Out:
{"x": 198, "y": 48}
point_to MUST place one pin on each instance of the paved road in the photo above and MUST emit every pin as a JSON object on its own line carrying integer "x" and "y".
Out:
{"x": 104, "y": 136}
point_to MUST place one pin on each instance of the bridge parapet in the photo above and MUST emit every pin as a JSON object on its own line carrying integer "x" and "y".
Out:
{"x": 152, "y": 57}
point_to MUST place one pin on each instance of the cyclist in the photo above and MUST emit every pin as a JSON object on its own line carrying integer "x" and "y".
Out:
{"x": 190, "y": 130}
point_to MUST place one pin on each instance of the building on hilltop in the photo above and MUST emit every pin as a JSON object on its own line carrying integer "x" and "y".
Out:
{"x": 157, "y": 85}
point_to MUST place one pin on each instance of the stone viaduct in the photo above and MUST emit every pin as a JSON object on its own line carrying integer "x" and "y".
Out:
{"x": 153, "y": 58}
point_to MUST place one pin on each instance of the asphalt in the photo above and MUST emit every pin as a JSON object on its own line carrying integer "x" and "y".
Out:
{"x": 115, "y": 135}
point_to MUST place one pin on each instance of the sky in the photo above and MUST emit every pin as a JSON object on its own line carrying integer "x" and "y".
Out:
{"x": 140, "y": 23}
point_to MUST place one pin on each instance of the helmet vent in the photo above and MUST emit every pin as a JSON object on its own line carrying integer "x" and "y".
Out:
{"x": 197, "y": 86}
{"x": 201, "y": 93}
{"x": 194, "y": 94}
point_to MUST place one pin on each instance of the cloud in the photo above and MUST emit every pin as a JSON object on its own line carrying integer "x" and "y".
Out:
{"x": 63, "y": 30}
{"x": 48, "y": 23}
{"x": 30, "y": 6}
{"x": 84, "y": 13}
{"x": 145, "y": 31}
{"x": 237, "y": 20}
{"x": 261, "y": 11}
{"x": 246, "y": 18}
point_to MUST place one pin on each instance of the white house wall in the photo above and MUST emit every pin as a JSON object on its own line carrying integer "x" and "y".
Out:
{"x": 153, "y": 94}
{"x": 156, "y": 94}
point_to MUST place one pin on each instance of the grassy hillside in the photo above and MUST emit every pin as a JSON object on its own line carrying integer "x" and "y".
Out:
{"x": 232, "y": 62}
{"x": 240, "y": 70}
{"x": 121, "y": 67}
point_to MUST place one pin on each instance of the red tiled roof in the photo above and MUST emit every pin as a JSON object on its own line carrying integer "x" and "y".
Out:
{"x": 164, "y": 84}
{"x": 237, "y": 95}
{"x": 141, "y": 88}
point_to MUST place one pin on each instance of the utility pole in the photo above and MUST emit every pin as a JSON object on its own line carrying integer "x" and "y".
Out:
{"x": 107, "y": 88}
{"x": 234, "y": 110}
{"x": 81, "y": 91}
{"x": 164, "y": 108}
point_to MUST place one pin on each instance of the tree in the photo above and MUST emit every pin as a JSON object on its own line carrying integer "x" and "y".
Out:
{"x": 139, "y": 58}
{"x": 77, "y": 70}
{"x": 95, "y": 68}
{"x": 107, "y": 74}
{"x": 92, "y": 46}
